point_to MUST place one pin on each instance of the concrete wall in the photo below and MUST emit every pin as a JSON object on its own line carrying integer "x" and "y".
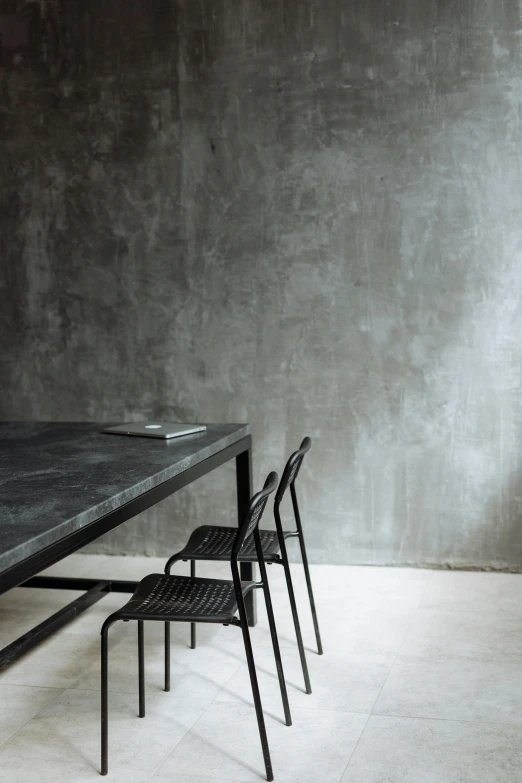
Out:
{"x": 306, "y": 214}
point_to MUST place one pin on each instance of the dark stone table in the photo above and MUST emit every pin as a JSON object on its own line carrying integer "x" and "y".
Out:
{"x": 64, "y": 484}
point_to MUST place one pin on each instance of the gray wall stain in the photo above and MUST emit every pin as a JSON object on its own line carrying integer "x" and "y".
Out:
{"x": 306, "y": 215}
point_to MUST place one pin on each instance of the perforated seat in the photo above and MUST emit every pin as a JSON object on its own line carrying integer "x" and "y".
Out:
{"x": 182, "y": 598}
{"x": 210, "y": 542}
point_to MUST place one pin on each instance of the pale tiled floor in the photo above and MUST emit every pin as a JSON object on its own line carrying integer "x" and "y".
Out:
{"x": 421, "y": 682}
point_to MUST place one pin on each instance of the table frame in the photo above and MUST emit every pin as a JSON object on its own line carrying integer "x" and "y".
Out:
{"x": 24, "y": 574}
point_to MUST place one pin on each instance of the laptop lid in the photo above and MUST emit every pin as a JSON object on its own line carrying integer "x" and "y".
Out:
{"x": 158, "y": 429}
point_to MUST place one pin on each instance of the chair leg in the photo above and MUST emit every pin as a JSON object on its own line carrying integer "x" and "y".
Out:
{"x": 277, "y": 651}
{"x": 167, "y": 656}
{"x": 141, "y": 667}
{"x": 104, "y": 702}
{"x": 297, "y": 625}
{"x": 310, "y": 593}
{"x": 193, "y": 625}
{"x": 170, "y": 562}
{"x": 256, "y": 695}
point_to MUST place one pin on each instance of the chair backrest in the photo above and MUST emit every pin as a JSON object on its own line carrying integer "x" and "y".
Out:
{"x": 253, "y": 515}
{"x": 292, "y": 468}
{"x": 248, "y": 527}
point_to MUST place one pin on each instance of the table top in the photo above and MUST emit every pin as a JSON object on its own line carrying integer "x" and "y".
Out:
{"x": 55, "y": 478}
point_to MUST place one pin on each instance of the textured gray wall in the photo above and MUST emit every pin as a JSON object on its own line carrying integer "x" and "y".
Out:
{"x": 304, "y": 214}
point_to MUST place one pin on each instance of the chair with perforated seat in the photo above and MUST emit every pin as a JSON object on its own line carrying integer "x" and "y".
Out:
{"x": 212, "y": 542}
{"x": 166, "y": 598}
{"x": 191, "y": 600}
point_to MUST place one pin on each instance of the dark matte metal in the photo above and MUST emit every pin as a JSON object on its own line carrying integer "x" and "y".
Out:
{"x": 141, "y": 667}
{"x": 51, "y": 624}
{"x": 291, "y": 595}
{"x": 288, "y": 479}
{"x": 193, "y": 625}
{"x": 244, "y": 492}
{"x": 202, "y": 546}
{"x": 63, "y": 583}
{"x": 79, "y": 583}
{"x": 244, "y": 620}
{"x": 142, "y": 607}
{"x": 272, "y": 625}
{"x": 167, "y": 656}
{"x": 123, "y": 586}
{"x": 104, "y": 699}
{"x": 306, "y": 568}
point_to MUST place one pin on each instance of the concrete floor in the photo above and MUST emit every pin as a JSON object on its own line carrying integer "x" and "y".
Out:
{"x": 421, "y": 682}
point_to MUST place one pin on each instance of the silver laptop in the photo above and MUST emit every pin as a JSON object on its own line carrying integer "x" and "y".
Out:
{"x": 158, "y": 429}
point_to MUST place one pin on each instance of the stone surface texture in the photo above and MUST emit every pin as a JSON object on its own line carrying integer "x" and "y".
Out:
{"x": 302, "y": 214}
{"x": 57, "y": 478}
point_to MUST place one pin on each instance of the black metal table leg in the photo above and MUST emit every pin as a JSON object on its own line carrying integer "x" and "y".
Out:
{"x": 244, "y": 493}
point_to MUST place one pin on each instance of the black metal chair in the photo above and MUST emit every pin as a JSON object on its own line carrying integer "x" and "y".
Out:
{"x": 215, "y": 543}
{"x": 165, "y": 598}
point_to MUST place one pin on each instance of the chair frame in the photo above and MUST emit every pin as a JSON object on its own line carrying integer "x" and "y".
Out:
{"x": 249, "y": 526}
{"x": 288, "y": 479}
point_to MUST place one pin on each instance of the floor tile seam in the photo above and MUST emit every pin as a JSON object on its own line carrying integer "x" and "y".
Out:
{"x": 197, "y": 778}
{"x": 500, "y": 613}
{"x": 372, "y": 713}
{"x": 354, "y": 749}
{"x": 302, "y": 709}
{"x": 410, "y": 621}
{"x": 119, "y": 768}
{"x": 171, "y": 750}
{"x": 121, "y": 692}
{"x": 35, "y": 685}
{"x": 401, "y": 656}
{"x": 320, "y": 711}
{"x": 446, "y": 720}
{"x": 457, "y": 660}
{"x": 24, "y": 685}
{"x": 392, "y": 665}
{"x": 163, "y": 759}
{"x": 222, "y": 689}
{"x": 52, "y": 701}
{"x": 189, "y": 730}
